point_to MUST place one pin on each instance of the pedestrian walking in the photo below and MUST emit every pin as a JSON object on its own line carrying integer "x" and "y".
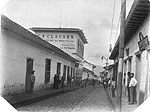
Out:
{"x": 128, "y": 88}
{"x": 32, "y": 81}
{"x": 132, "y": 85}
{"x": 113, "y": 86}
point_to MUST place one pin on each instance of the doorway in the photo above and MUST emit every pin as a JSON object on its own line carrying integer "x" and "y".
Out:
{"x": 29, "y": 68}
{"x": 64, "y": 71}
{"x": 58, "y": 68}
{"x": 47, "y": 70}
{"x": 138, "y": 73}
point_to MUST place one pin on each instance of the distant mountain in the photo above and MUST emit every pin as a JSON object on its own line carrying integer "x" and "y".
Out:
{"x": 98, "y": 69}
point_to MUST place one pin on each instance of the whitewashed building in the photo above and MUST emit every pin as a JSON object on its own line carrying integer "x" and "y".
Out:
{"x": 22, "y": 52}
{"x": 70, "y": 40}
{"x": 88, "y": 70}
{"x": 137, "y": 47}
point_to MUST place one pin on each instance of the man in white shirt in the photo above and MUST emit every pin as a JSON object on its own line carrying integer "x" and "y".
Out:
{"x": 132, "y": 85}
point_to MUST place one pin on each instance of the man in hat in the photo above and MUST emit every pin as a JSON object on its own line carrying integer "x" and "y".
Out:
{"x": 32, "y": 81}
{"x": 132, "y": 85}
{"x": 128, "y": 88}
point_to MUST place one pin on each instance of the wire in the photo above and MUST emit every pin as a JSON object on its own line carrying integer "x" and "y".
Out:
{"x": 116, "y": 36}
{"x": 112, "y": 22}
{"x": 112, "y": 19}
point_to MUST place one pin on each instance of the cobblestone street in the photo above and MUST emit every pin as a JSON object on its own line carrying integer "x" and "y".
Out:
{"x": 89, "y": 99}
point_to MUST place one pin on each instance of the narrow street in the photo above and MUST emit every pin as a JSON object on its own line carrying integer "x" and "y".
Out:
{"x": 89, "y": 99}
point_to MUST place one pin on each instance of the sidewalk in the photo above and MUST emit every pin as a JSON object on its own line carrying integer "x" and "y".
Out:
{"x": 125, "y": 106}
{"x": 27, "y": 98}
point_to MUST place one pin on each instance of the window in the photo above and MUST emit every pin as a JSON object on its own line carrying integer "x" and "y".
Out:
{"x": 58, "y": 68}
{"x": 68, "y": 70}
{"x": 47, "y": 70}
{"x": 71, "y": 72}
{"x": 64, "y": 71}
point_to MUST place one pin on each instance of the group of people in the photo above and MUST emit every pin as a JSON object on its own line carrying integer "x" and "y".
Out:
{"x": 107, "y": 83}
{"x": 131, "y": 88}
{"x": 58, "y": 81}
{"x": 110, "y": 84}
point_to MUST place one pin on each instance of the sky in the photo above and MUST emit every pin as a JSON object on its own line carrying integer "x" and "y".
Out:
{"x": 94, "y": 17}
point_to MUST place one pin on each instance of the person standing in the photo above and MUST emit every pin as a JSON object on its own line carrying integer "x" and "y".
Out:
{"x": 55, "y": 81}
{"x": 128, "y": 88}
{"x": 69, "y": 81}
{"x": 113, "y": 86}
{"x": 132, "y": 85}
{"x": 62, "y": 80}
{"x": 109, "y": 84}
{"x": 32, "y": 81}
{"x": 86, "y": 81}
{"x": 58, "y": 81}
{"x": 104, "y": 82}
{"x": 72, "y": 81}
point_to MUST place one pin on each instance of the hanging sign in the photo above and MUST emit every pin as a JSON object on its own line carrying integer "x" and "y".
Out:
{"x": 143, "y": 43}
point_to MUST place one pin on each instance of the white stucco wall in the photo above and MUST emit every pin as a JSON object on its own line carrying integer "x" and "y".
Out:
{"x": 66, "y": 41}
{"x": 15, "y": 51}
{"x": 143, "y": 70}
{"x": 84, "y": 75}
{"x": 133, "y": 48}
{"x": 88, "y": 66}
{"x": 91, "y": 76}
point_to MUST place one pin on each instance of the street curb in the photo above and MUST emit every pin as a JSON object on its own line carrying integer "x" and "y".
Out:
{"x": 32, "y": 100}
{"x": 110, "y": 99}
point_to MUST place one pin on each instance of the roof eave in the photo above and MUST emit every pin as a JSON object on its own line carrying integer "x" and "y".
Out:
{"x": 9, "y": 24}
{"x": 144, "y": 6}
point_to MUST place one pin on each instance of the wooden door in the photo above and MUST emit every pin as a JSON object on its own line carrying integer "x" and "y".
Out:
{"x": 29, "y": 68}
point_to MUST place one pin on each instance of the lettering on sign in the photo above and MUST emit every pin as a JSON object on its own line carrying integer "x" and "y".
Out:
{"x": 66, "y": 42}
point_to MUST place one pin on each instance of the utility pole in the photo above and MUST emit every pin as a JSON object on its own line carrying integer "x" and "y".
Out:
{"x": 121, "y": 56}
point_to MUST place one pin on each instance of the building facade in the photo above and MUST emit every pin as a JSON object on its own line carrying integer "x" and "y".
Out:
{"x": 137, "y": 48}
{"x": 22, "y": 52}
{"x": 70, "y": 40}
{"x": 87, "y": 74}
{"x": 88, "y": 70}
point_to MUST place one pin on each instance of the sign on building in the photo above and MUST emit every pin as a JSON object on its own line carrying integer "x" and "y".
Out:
{"x": 143, "y": 43}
